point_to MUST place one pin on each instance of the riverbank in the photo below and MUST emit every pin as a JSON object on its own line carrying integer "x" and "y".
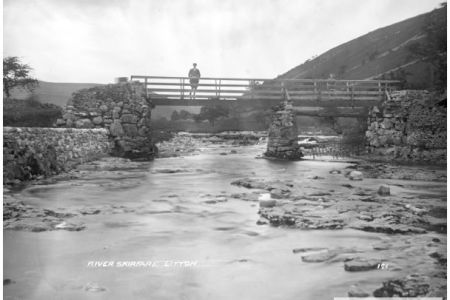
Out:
{"x": 290, "y": 224}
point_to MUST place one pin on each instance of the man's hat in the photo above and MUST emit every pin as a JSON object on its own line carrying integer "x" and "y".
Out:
{"x": 194, "y": 64}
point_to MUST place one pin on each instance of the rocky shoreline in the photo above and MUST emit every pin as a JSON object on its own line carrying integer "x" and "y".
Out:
{"x": 412, "y": 223}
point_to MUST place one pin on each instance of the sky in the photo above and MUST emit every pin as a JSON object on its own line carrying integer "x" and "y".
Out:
{"x": 95, "y": 41}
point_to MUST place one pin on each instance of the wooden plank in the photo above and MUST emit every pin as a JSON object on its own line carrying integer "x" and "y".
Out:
{"x": 344, "y": 93}
{"x": 337, "y": 114}
{"x": 263, "y": 102}
{"x": 267, "y": 91}
{"x": 186, "y": 96}
{"x": 187, "y": 84}
{"x": 268, "y": 80}
{"x": 198, "y": 91}
{"x": 316, "y": 97}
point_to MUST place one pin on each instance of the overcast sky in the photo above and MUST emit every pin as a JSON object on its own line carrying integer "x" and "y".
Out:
{"x": 98, "y": 40}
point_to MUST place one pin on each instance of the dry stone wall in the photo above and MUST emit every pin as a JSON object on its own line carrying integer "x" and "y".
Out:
{"x": 32, "y": 152}
{"x": 409, "y": 126}
{"x": 122, "y": 109}
{"x": 283, "y": 135}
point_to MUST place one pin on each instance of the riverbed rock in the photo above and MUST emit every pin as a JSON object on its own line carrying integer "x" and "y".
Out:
{"x": 249, "y": 183}
{"x": 94, "y": 287}
{"x": 319, "y": 257}
{"x": 90, "y": 211}
{"x": 69, "y": 226}
{"x": 411, "y": 286}
{"x": 355, "y": 175}
{"x": 440, "y": 256}
{"x": 28, "y": 224}
{"x": 360, "y": 264}
{"x": 262, "y": 221}
{"x": 277, "y": 194}
{"x": 170, "y": 171}
{"x": 315, "y": 177}
{"x": 385, "y": 227}
{"x": 384, "y": 190}
{"x": 308, "y": 249}
{"x": 382, "y": 246}
{"x": 267, "y": 203}
{"x": 356, "y": 291}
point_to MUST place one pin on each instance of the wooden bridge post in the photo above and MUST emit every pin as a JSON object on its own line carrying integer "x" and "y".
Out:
{"x": 319, "y": 97}
{"x": 380, "y": 94}
{"x": 146, "y": 91}
{"x": 182, "y": 88}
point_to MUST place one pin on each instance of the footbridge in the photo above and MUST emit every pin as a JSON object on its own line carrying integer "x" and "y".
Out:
{"x": 259, "y": 92}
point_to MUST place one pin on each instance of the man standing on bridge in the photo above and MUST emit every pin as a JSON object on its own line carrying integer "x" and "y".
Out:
{"x": 194, "y": 78}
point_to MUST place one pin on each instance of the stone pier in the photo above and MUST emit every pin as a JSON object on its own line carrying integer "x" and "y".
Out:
{"x": 283, "y": 135}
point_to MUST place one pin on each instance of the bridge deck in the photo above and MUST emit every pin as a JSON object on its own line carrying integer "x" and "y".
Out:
{"x": 164, "y": 90}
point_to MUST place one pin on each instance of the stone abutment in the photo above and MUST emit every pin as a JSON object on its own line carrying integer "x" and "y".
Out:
{"x": 122, "y": 109}
{"x": 411, "y": 126}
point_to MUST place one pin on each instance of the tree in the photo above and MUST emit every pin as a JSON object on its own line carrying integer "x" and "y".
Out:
{"x": 212, "y": 113}
{"x": 16, "y": 74}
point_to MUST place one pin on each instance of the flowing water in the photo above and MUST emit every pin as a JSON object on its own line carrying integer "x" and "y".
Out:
{"x": 176, "y": 210}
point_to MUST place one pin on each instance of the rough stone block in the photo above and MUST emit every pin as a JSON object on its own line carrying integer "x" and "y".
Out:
{"x": 129, "y": 118}
{"x": 384, "y": 190}
{"x": 97, "y": 120}
{"x": 116, "y": 112}
{"x": 83, "y": 123}
{"x": 116, "y": 128}
{"x": 60, "y": 122}
{"x": 130, "y": 129}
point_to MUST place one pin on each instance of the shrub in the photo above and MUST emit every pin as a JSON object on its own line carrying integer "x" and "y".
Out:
{"x": 29, "y": 113}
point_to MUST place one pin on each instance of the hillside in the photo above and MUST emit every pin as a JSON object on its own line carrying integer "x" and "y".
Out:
{"x": 57, "y": 93}
{"x": 385, "y": 53}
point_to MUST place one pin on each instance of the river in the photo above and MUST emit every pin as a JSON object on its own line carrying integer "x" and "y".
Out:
{"x": 175, "y": 210}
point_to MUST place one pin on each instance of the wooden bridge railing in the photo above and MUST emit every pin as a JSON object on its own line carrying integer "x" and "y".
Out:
{"x": 210, "y": 88}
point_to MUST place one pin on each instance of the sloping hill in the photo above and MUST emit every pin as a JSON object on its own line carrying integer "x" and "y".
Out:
{"x": 382, "y": 54}
{"x": 57, "y": 93}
